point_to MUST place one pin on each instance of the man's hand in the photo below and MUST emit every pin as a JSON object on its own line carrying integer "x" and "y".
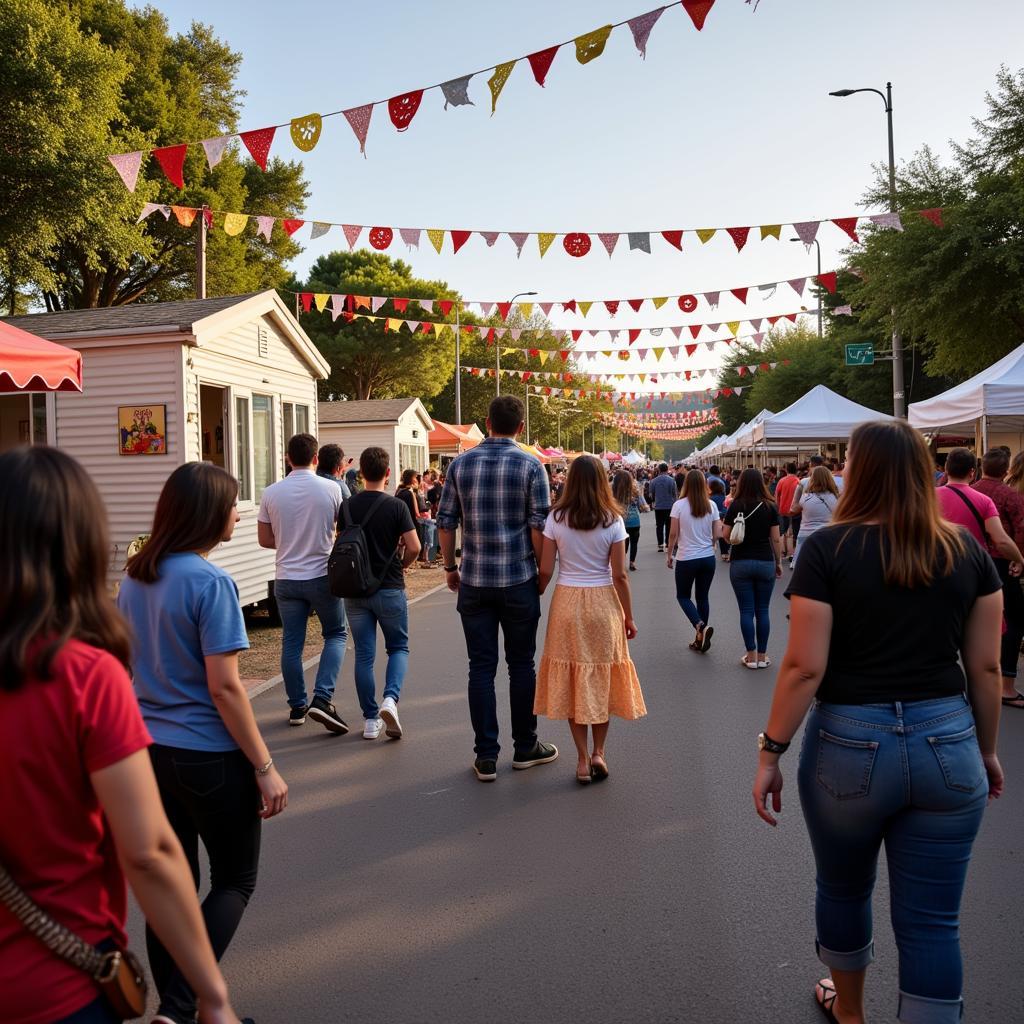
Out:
{"x": 452, "y": 579}
{"x": 1016, "y": 568}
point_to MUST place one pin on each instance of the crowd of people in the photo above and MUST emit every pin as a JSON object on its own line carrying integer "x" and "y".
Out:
{"x": 132, "y": 740}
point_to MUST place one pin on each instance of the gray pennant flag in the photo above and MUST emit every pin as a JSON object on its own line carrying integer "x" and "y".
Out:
{"x": 640, "y": 240}
{"x": 455, "y": 92}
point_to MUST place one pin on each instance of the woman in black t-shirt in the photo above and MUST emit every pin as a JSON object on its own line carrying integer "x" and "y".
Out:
{"x": 886, "y": 603}
{"x": 754, "y": 564}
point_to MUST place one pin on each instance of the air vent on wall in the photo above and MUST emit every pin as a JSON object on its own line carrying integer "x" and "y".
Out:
{"x": 264, "y": 342}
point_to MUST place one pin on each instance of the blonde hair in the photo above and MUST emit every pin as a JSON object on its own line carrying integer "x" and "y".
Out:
{"x": 821, "y": 480}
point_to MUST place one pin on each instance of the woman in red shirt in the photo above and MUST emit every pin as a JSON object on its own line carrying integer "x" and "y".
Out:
{"x": 81, "y": 805}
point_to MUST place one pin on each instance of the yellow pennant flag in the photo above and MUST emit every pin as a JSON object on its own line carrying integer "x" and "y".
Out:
{"x": 734, "y": 326}
{"x": 305, "y": 131}
{"x": 608, "y": 353}
{"x": 509, "y": 351}
{"x": 584, "y": 308}
{"x": 544, "y": 240}
{"x": 770, "y": 231}
{"x": 393, "y": 324}
{"x": 436, "y": 236}
{"x": 234, "y": 223}
{"x": 321, "y": 300}
{"x": 659, "y": 302}
{"x": 497, "y": 82}
{"x": 619, "y": 376}
{"x": 543, "y": 354}
{"x": 526, "y": 308}
{"x": 567, "y": 392}
{"x": 438, "y": 328}
{"x": 658, "y": 352}
{"x": 706, "y": 234}
{"x": 590, "y": 45}
{"x": 642, "y": 377}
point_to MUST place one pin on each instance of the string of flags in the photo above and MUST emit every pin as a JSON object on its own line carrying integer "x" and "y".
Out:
{"x": 625, "y": 398}
{"x": 615, "y": 378}
{"x": 574, "y": 243}
{"x": 305, "y": 131}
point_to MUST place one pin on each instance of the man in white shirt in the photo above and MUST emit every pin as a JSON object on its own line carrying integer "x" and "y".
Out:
{"x": 298, "y": 518}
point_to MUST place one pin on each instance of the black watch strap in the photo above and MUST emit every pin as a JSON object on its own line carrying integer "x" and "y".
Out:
{"x": 451, "y": 568}
{"x": 772, "y": 746}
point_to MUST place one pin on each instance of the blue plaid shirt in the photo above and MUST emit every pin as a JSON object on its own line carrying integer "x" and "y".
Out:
{"x": 498, "y": 493}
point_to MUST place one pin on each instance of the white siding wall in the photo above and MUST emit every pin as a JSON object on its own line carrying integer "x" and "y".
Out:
{"x": 410, "y": 422}
{"x": 354, "y": 437}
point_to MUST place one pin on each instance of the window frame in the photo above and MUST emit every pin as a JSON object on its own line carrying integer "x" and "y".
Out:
{"x": 273, "y": 476}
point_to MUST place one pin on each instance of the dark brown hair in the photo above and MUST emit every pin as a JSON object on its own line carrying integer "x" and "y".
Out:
{"x": 54, "y": 553}
{"x": 695, "y": 491}
{"x": 301, "y": 450}
{"x": 889, "y": 481}
{"x": 586, "y": 501}
{"x": 191, "y": 515}
{"x": 374, "y": 464}
{"x": 505, "y": 413}
{"x": 328, "y": 459}
{"x": 995, "y": 463}
{"x": 624, "y": 489}
{"x": 960, "y": 463}
{"x": 751, "y": 489}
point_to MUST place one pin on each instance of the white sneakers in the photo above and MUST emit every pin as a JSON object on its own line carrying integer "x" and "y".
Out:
{"x": 389, "y": 712}
{"x": 373, "y": 728}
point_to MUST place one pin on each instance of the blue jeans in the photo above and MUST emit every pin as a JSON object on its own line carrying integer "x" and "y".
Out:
{"x": 910, "y": 776}
{"x": 699, "y": 571}
{"x": 390, "y": 610}
{"x": 295, "y": 600}
{"x": 517, "y": 611}
{"x": 753, "y": 583}
{"x": 429, "y": 539}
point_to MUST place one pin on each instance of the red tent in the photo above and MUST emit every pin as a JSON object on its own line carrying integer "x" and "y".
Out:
{"x": 28, "y": 363}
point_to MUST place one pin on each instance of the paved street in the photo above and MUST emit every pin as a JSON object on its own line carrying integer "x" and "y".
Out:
{"x": 398, "y": 888}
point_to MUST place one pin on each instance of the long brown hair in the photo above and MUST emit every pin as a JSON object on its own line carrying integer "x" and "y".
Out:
{"x": 889, "y": 481}
{"x": 821, "y": 481}
{"x": 191, "y": 515}
{"x": 1016, "y": 477}
{"x": 695, "y": 491}
{"x": 751, "y": 490}
{"x": 54, "y": 552}
{"x": 586, "y": 501}
{"x": 623, "y": 489}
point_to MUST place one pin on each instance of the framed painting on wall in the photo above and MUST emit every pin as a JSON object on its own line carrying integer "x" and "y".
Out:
{"x": 142, "y": 429}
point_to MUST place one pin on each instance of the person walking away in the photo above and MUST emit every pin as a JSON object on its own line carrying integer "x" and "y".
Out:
{"x": 81, "y": 804}
{"x": 298, "y": 517}
{"x": 426, "y": 519}
{"x": 392, "y": 545}
{"x": 755, "y": 563}
{"x": 785, "y": 490}
{"x": 714, "y": 473}
{"x": 434, "y": 489}
{"x": 216, "y": 778}
{"x": 886, "y": 602}
{"x": 626, "y": 492}
{"x": 718, "y": 499}
{"x": 407, "y": 492}
{"x": 663, "y": 497}
{"x": 817, "y": 505}
{"x": 691, "y": 545}
{"x": 329, "y": 466}
{"x": 586, "y": 674}
{"x": 498, "y": 493}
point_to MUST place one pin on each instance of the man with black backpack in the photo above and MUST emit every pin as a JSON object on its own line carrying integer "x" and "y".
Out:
{"x": 376, "y": 540}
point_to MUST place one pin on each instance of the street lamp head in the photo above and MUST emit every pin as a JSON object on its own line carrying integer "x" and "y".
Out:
{"x": 843, "y": 92}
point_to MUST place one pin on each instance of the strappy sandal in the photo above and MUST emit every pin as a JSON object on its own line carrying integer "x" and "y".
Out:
{"x": 825, "y": 996}
{"x": 598, "y": 772}
{"x": 1016, "y": 701}
{"x": 585, "y": 780}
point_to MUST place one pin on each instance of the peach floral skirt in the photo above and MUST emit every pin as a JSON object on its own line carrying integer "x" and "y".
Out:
{"x": 585, "y": 671}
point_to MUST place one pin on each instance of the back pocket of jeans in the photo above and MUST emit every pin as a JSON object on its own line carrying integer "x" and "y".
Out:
{"x": 200, "y": 778}
{"x": 959, "y": 758}
{"x": 844, "y": 766}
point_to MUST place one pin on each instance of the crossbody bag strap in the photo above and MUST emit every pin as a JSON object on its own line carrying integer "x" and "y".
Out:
{"x": 974, "y": 512}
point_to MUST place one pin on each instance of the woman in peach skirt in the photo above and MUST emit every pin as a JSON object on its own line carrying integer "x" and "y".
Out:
{"x": 586, "y": 674}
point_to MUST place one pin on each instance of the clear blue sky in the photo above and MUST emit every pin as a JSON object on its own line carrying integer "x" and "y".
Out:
{"x": 729, "y": 126}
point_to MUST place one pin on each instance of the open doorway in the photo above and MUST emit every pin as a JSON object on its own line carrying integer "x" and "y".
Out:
{"x": 22, "y": 420}
{"x": 212, "y": 415}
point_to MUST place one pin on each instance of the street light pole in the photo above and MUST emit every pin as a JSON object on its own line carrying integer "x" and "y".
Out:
{"x": 821, "y": 332}
{"x": 899, "y": 404}
{"x": 497, "y": 348}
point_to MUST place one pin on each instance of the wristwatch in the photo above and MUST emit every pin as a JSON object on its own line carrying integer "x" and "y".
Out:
{"x": 765, "y": 742}
{"x": 451, "y": 568}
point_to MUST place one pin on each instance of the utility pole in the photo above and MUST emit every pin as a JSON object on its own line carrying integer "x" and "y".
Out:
{"x": 458, "y": 361}
{"x": 201, "y": 255}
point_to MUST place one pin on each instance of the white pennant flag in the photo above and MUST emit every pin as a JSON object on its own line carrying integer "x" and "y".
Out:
{"x": 487, "y": 308}
{"x": 215, "y": 149}
{"x": 264, "y": 225}
{"x": 798, "y": 284}
{"x": 376, "y": 302}
{"x": 127, "y": 165}
{"x": 427, "y": 304}
{"x": 152, "y": 208}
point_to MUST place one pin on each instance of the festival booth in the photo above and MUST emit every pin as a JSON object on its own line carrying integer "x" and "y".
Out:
{"x": 400, "y": 426}
{"x": 535, "y": 452}
{"x": 989, "y": 406}
{"x": 609, "y": 457}
{"x": 633, "y": 458}
{"x": 745, "y": 435}
{"x": 448, "y": 440}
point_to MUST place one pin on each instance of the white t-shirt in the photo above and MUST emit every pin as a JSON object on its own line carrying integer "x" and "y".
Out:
{"x": 583, "y": 554}
{"x": 696, "y": 536}
{"x": 302, "y": 509}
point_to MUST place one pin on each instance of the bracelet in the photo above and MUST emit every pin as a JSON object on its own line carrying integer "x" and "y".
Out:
{"x": 451, "y": 568}
{"x": 266, "y": 768}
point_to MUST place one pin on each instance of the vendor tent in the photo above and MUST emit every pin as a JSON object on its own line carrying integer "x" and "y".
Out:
{"x": 633, "y": 458}
{"x": 28, "y": 363}
{"x": 610, "y": 457}
{"x": 819, "y": 416}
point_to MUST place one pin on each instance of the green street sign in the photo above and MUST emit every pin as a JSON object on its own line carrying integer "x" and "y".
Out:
{"x": 861, "y": 354}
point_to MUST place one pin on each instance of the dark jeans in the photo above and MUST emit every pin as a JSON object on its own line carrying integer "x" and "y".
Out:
{"x": 632, "y": 541}
{"x": 97, "y": 1012}
{"x": 909, "y": 775}
{"x": 662, "y": 522}
{"x": 517, "y": 611}
{"x": 212, "y": 797}
{"x": 1013, "y": 611}
{"x": 753, "y": 582}
{"x": 699, "y": 571}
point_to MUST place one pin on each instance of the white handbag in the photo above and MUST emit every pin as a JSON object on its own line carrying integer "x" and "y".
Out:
{"x": 739, "y": 527}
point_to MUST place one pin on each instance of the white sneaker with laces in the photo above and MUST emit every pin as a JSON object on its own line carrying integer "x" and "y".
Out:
{"x": 373, "y": 728}
{"x": 389, "y": 712}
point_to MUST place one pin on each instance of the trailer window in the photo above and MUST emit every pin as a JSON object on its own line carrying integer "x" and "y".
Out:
{"x": 243, "y": 468}
{"x": 262, "y": 443}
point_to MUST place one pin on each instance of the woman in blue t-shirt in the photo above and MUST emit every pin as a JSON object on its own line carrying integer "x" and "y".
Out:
{"x": 216, "y": 777}
{"x": 626, "y": 492}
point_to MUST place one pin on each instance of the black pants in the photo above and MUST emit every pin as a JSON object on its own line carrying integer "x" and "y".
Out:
{"x": 632, "y": 542}
{"x": 212, "y": 797}
{"x": 662, "y": 522}
{"x": 1013, "y": 611}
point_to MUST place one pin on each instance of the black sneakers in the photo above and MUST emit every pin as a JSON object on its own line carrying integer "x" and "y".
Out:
{"x": 323, "y": 712}
{"x": 297, "y": 715}
{"x": 486, "y": 769}
{"x": 542, "y": 753}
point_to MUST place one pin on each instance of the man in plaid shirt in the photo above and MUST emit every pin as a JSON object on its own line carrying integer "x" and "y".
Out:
{"x": 498, "y": 494}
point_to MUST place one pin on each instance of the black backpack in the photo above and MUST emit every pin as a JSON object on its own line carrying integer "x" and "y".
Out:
{"x": 348, "y": 569}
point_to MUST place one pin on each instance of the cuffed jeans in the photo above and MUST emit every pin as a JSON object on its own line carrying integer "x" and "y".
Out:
{"x": 753, "y": 583}
{"x": 909, "y": 775}
{"x": 691, "y": 572}
{"x": 295, "y": 600}
{"x": 388, "y": 609}
{"x": 516, "y": 610}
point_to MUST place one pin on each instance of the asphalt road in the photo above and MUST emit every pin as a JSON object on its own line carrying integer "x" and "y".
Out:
{"x": 396, "y": 887}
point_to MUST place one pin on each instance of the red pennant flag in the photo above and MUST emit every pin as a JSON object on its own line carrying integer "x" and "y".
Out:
{"x": 635, "y": 304}
{"x": 503, "y": 308}
{"x": 674, "y": 238}
{"x": 612, "y": 305}
{"x": 934, "y": 215}
{"x": 739, "y": 236}
{"x": 306, "y": 298}
{"x": 291, "y": 226}
{"x": 740, "y": 293}
{"x": 527, "y": 374}
{"x": 534, "y": 352}
{"x": 690, "y": 349}
{"x": 773, "y": 320}
{"x": 827, "y": 281}
{"x": 741, "y": 370}
{"x": 791, "y": 317}
{"x": 445, "y": 305}
{"x": 172, "y": 161}
{"x": 634, "y": 334}
{"x": 563, "y": 354}
{"x": 763, "y": 366}
{"x": 567, "y": 377}
{"x": 540, "y": 62}
{"x": 575, "y": 335}
{"x": 725, "y": 392}
{"x": 698, "y": 11}
{"x": 490, "y": 335}
{"x": 403, "y": 108}
{"x": 695, "y": 330}
{"x": 208, "y": 216}
{"x": 400, "y": 305}
{"x": 459, "y": 239}
{"x": 469, "y": 328}
{"x": 569, "y": 307}
{"x": 258, "y": 144}
{"x": 849, "y": 225}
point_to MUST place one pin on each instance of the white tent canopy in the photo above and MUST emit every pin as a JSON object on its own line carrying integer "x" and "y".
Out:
{"x": 633, "y": 458}
{"x": 995, "y": 393}
{"x": 820, "y": 415}
{"x": 745, "y": 435}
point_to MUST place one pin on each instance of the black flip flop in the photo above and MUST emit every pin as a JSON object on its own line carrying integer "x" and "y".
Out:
{"x": 706, "y": 646}
{"x": 1016, "y": 701}
{"x": 828, "y": 998}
